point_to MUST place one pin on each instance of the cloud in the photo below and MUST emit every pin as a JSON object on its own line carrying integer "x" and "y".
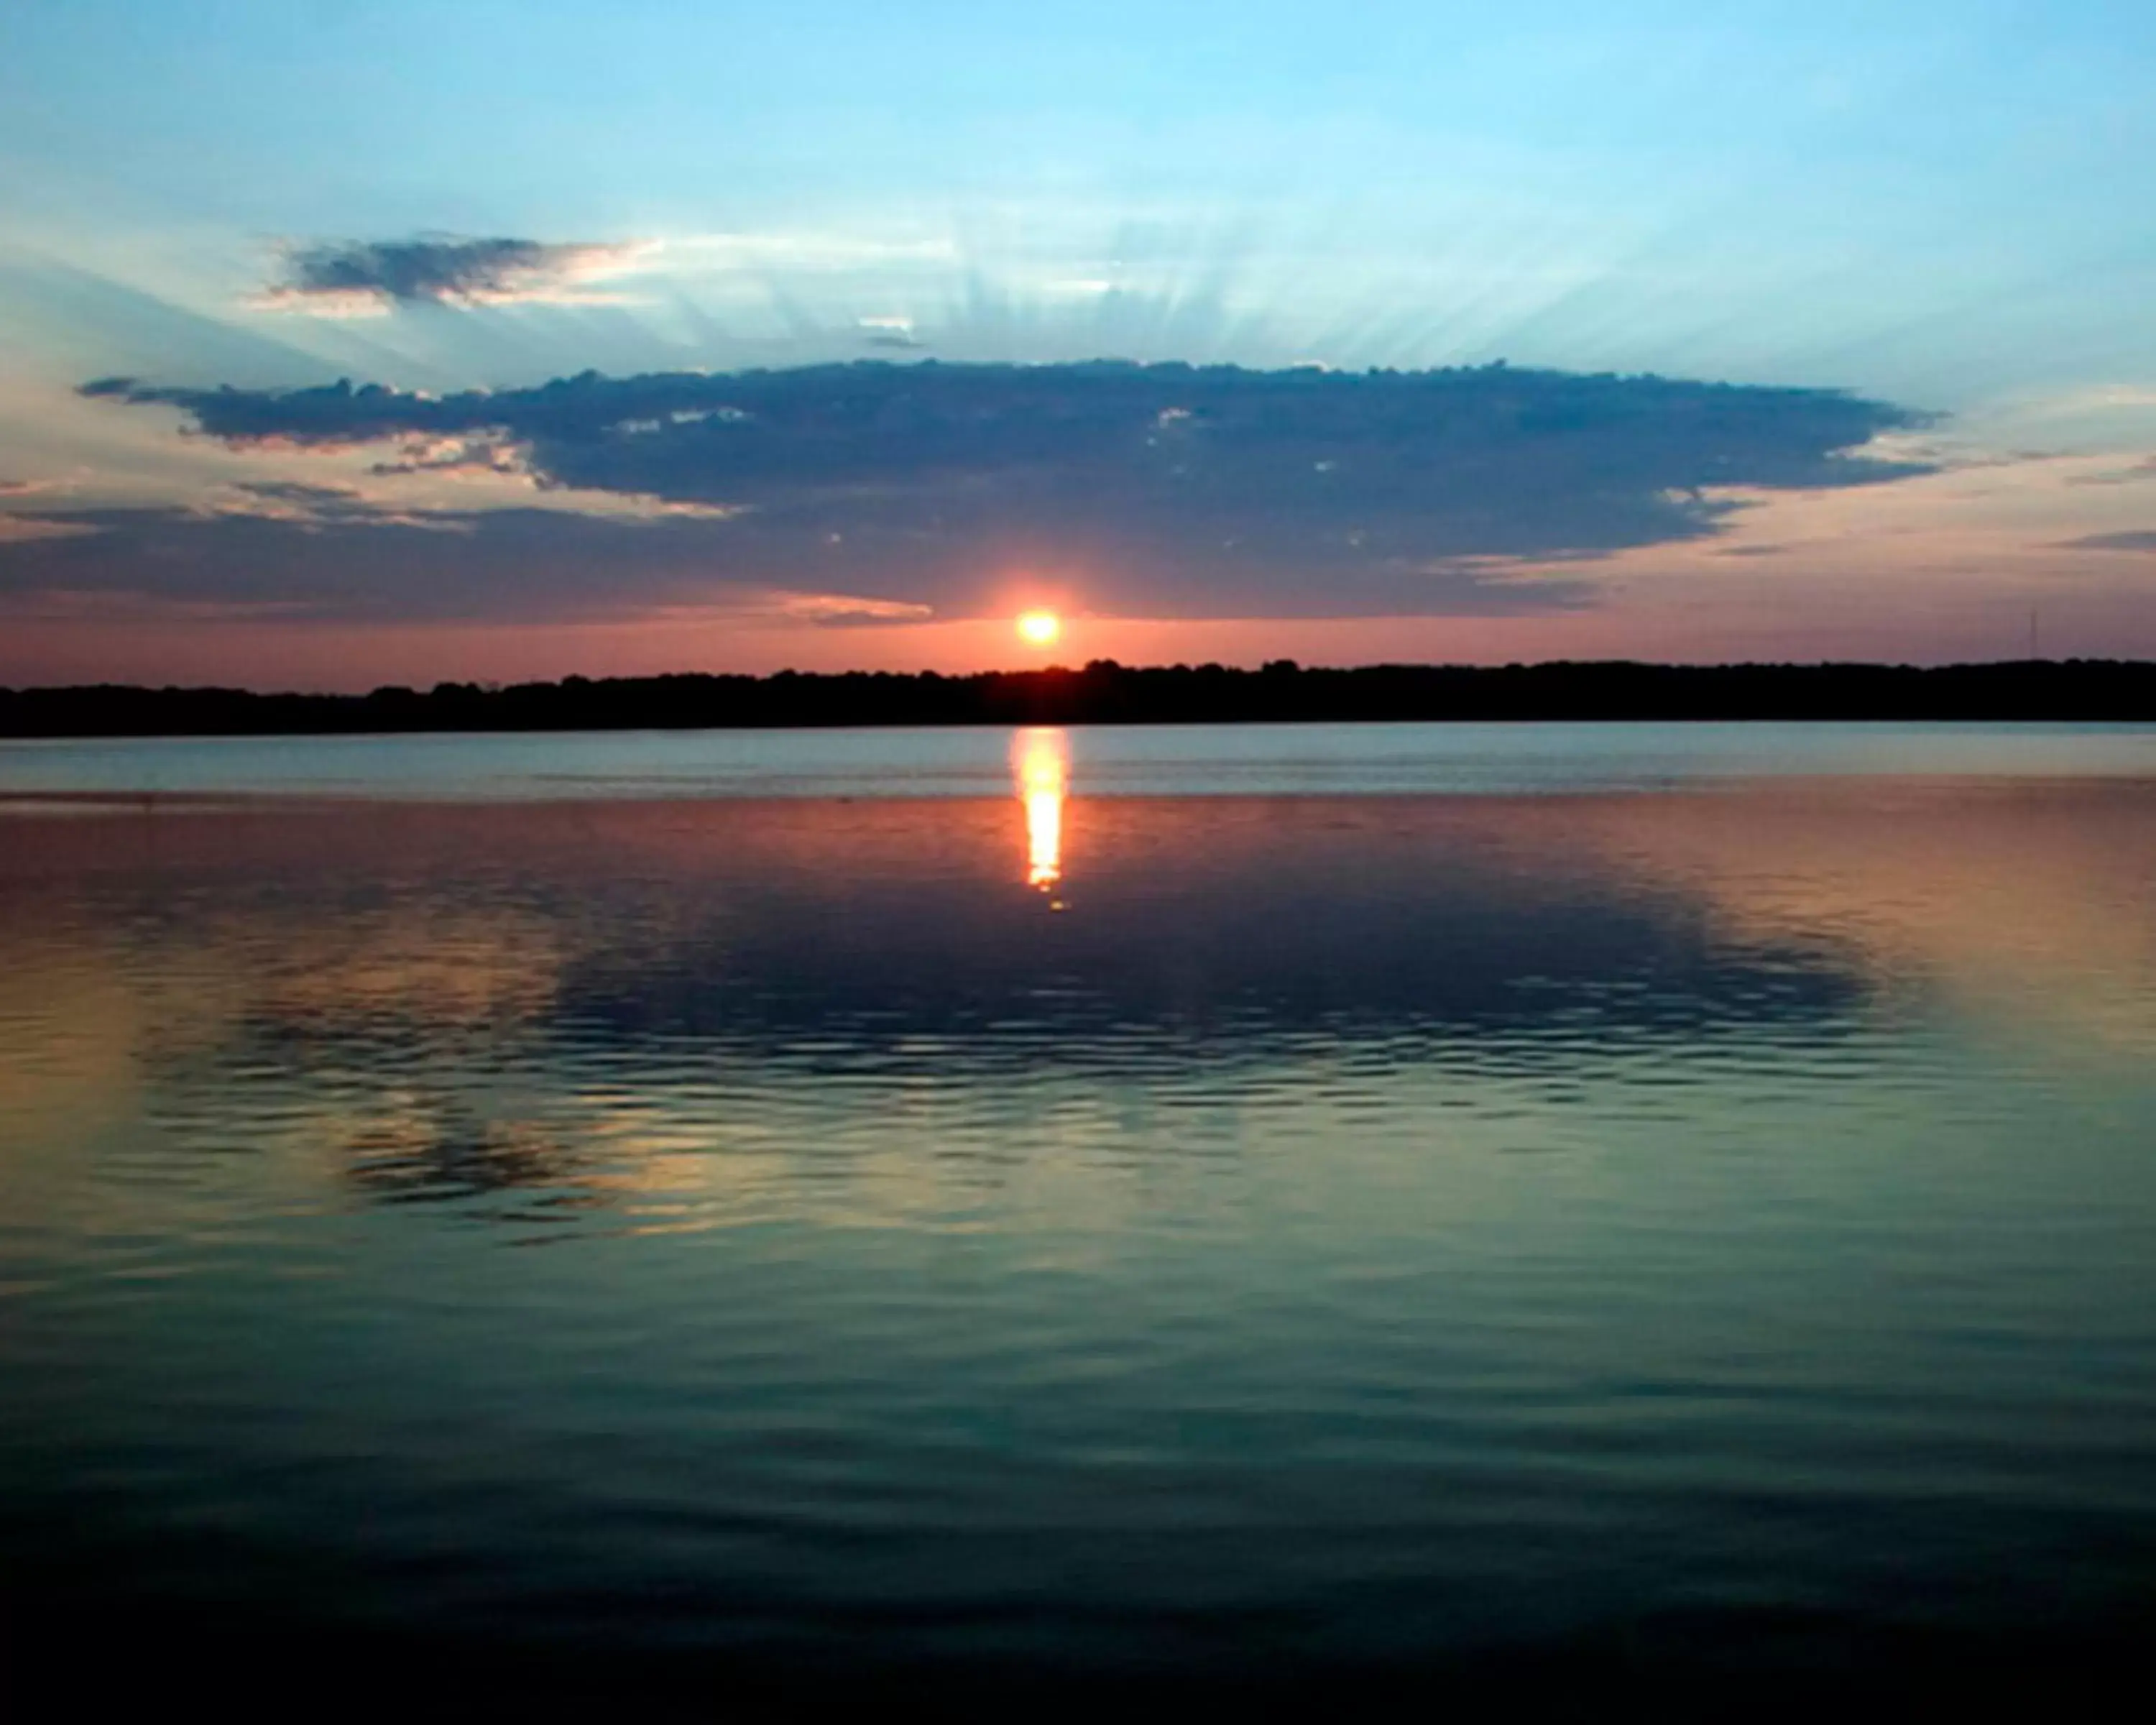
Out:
{"x": 835, "y": 610}
{"x": 367, "y": 278}
{"x": 1151, "y": 490}
{"x": 273, "y": 496}
{"x": 2141, "y": 539}
{"x": 351, "y": 562}
{"x": 2140, "y": 473}
{"x": 2124, "y": 397}
{"x": 316, "y": 506}
{"x": 891, "y": 332}
{"x": 482, "y": 452}
{"x": 328, "y": 554}
{"x": 808, "y": 250}
{"x": 25, "y": 529}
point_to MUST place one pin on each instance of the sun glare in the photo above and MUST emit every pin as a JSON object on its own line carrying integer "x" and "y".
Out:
{"x": 1039, "y": 628}
{"x": 1040, "y": 762}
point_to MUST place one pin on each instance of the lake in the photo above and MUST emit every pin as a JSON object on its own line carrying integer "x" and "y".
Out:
{"x": 1550, "y": 1213}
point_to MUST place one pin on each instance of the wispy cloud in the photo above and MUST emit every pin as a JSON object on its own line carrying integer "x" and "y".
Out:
{"x": 27, "y": 529}
{"x": 808, "y": 251}
{"x": 895, "y": 332}
{"x": 2140, "y": 473}
{"x": 370, "y": 278}
{"x": 2141, "y": 539}
{"x": 2123, "y": 398}
{"x": 312, "y": 508}
{"x": 842, "y": 610}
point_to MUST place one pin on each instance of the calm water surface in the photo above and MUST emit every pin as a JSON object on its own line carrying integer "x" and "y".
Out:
{"x": 1139, "y": 1206}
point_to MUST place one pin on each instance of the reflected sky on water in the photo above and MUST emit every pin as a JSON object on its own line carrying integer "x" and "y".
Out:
{"x": 1105, "y": 1224}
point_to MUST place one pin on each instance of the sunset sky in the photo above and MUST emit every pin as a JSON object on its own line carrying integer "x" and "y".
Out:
{"x": 373, "y": 342}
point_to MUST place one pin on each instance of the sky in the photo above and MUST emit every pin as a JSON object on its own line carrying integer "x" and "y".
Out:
{"x": 377, "y": 342}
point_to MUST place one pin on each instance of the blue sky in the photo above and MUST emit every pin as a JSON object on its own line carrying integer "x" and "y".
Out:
{"x": 1940, "y": 209}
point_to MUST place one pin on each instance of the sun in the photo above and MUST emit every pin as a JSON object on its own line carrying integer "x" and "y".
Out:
{"x": 1039, "y": 628}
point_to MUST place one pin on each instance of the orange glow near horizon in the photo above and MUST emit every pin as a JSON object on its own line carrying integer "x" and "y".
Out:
{"x": 1677, "y": 619}
{"x": 1039, "y": 628}
{"x": 1040, "y": 762}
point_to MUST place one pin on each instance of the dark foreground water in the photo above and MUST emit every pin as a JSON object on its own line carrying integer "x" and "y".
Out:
{"x": 1682, "y": 1227}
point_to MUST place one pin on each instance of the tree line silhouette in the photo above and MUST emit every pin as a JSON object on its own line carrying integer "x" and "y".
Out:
{"x": 1105, "y": 693}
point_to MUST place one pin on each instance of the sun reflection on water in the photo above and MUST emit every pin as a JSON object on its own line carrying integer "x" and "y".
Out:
{"x": 1040, "y": 762}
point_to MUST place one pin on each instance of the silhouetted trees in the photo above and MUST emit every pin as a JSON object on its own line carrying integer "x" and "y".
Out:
{"x": 1106, "y": 693}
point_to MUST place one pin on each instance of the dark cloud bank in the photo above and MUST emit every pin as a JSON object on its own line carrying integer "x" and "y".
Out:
{"x": 1145, "y": 489}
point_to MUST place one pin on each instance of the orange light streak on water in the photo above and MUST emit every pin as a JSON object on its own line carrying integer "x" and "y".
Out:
{"x": 1040, "y": 762}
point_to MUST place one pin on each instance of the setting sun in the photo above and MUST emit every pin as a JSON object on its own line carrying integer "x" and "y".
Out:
{"x": 1039, "y": 628}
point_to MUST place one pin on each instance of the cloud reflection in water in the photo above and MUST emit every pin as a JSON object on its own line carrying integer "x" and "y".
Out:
{"x": 1195, "y": 1219}
{"x": 497, "y": 1001}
